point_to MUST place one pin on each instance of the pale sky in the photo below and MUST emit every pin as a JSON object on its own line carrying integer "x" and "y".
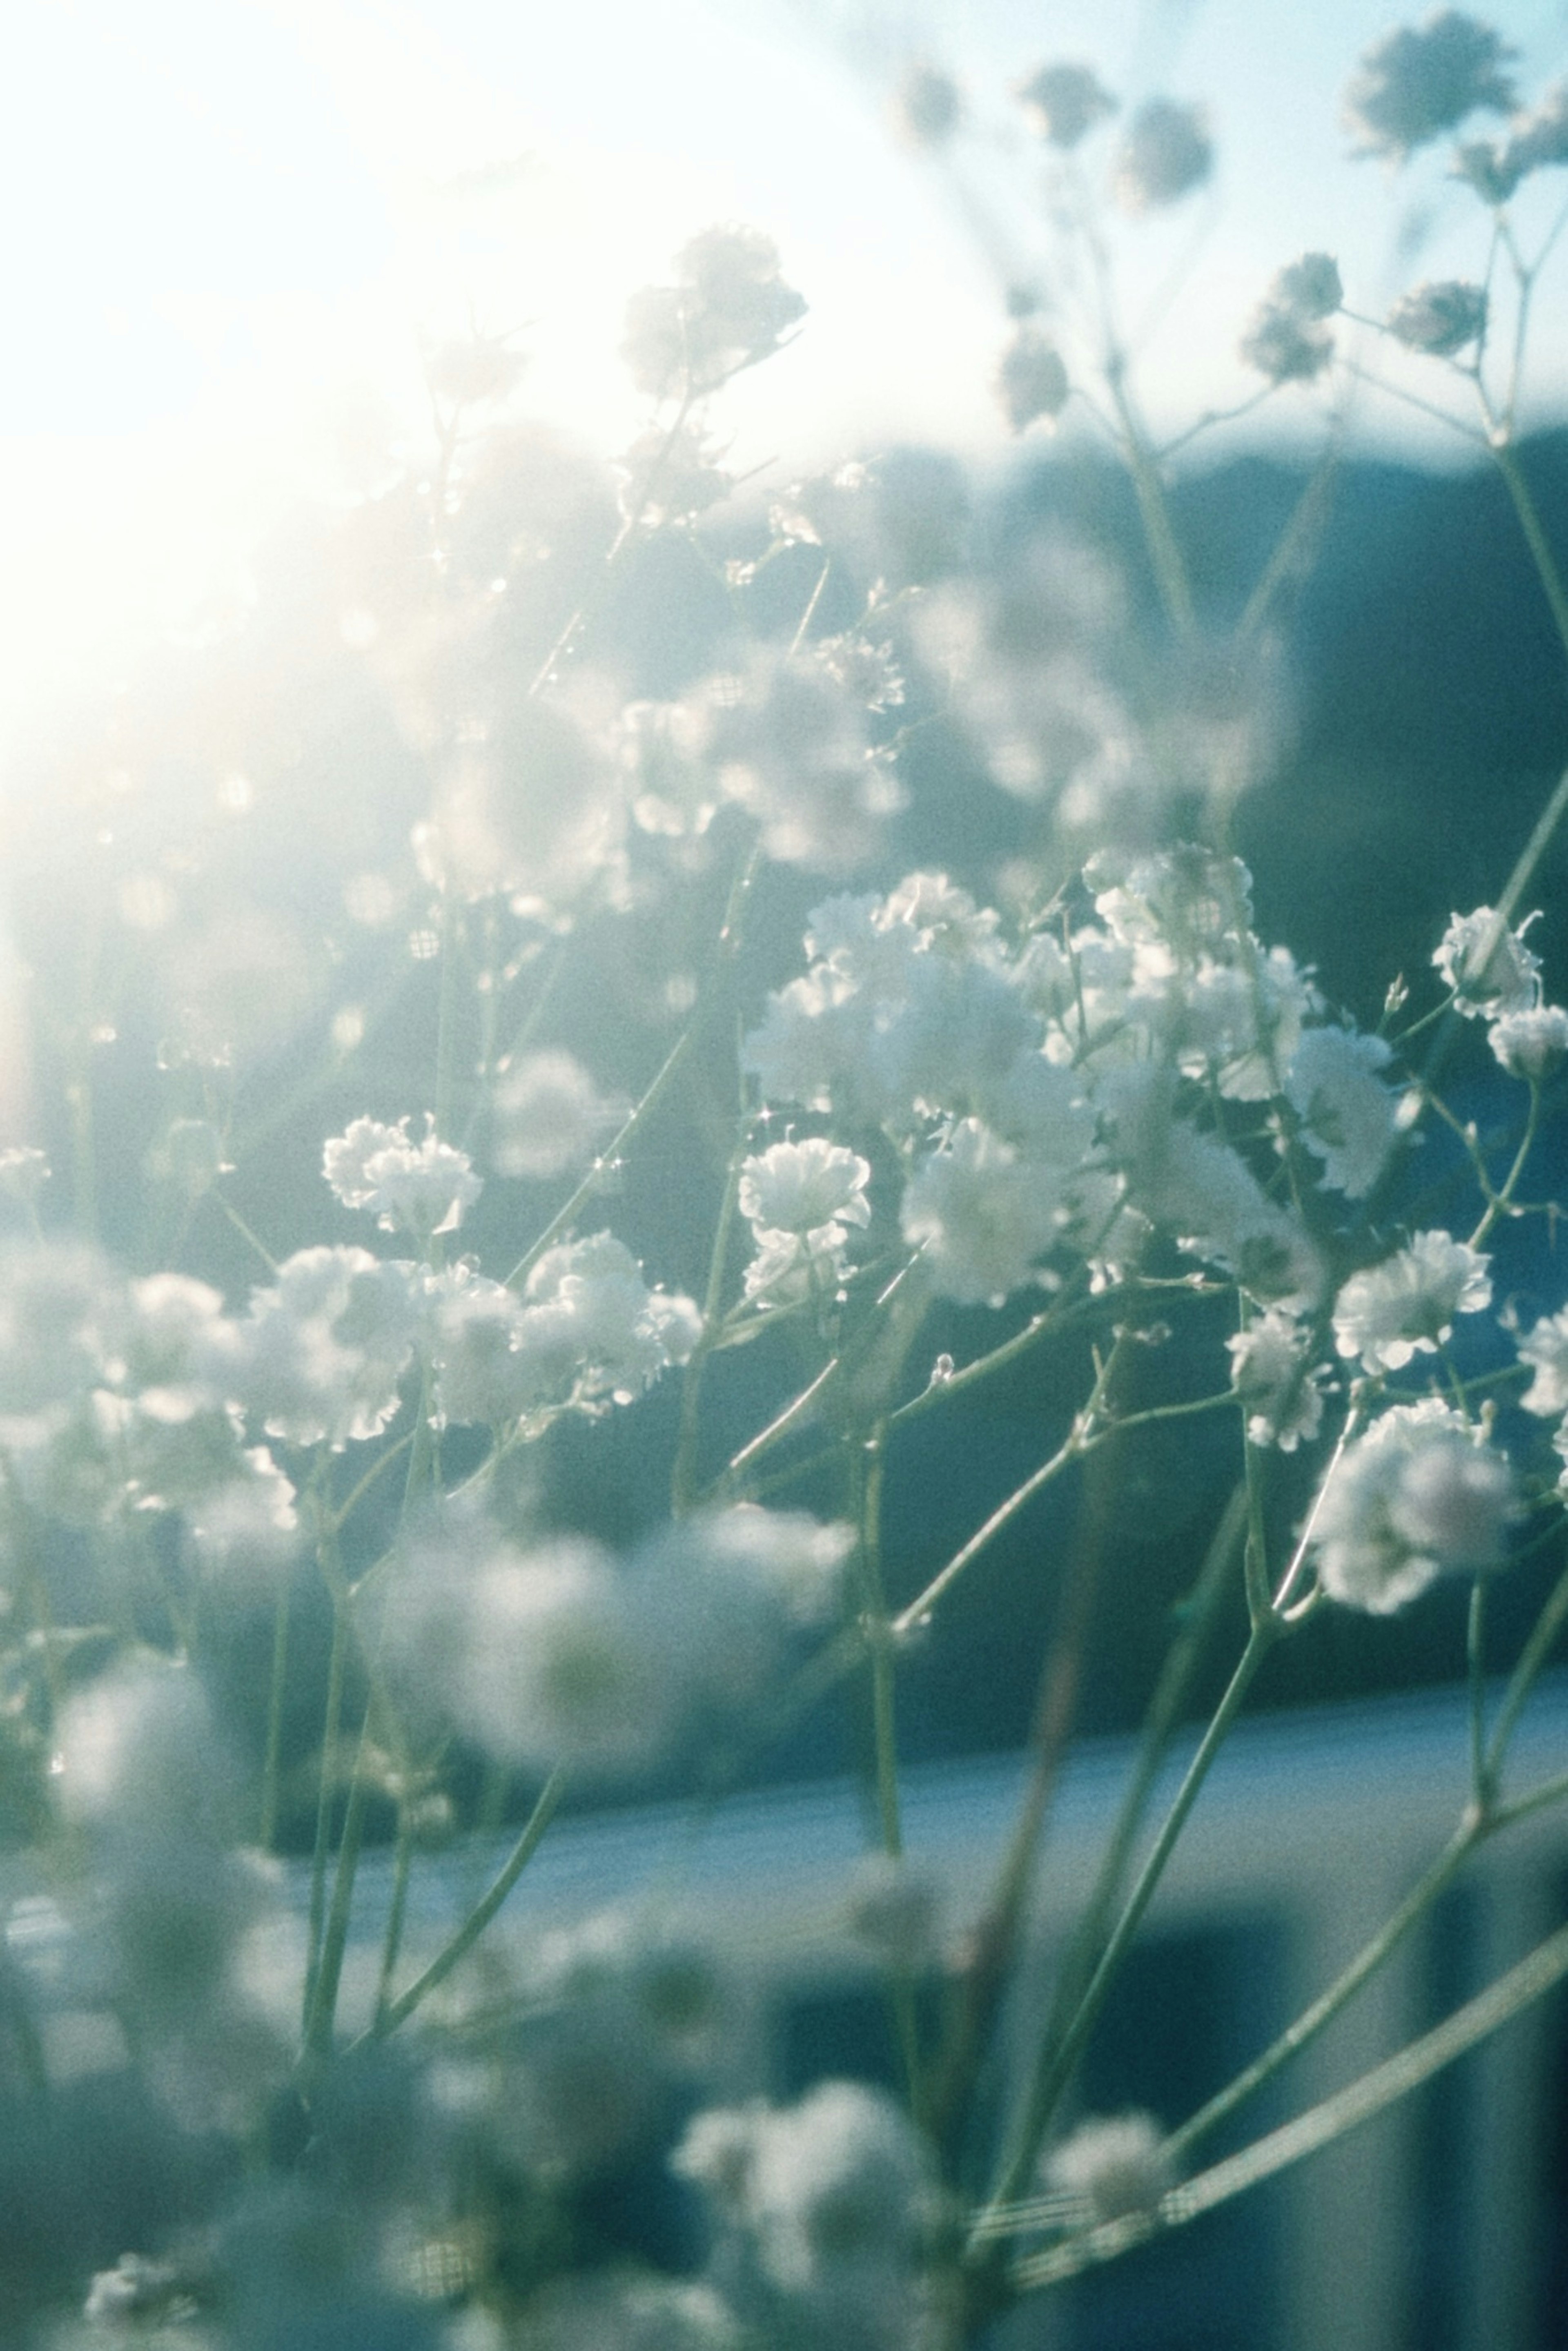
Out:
{"x": 236, "y": 214}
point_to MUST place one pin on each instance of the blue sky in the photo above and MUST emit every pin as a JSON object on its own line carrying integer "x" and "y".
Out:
{"x": 239, "y": 211}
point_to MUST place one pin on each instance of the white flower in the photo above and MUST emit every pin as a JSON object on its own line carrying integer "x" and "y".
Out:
{"x": 731, "y": 1588}
{"x": 543, "y": 1655}
{"x": 835, "y": 2186}
{"x": 1270, "y": 1372}
{"x": 1347, "y": 1114}
{"x": 1167, "y": 152}
{"x": 1546, "y": 1351}
{"x": 323, "y": 1351}
{"x": 1200, "y": 1190}
{"x": 790, "y": 1267}
{"x": 1529, "y": 1044}
{"x": 1406, "y": 1305}
{"x": 246, "y": 1526}
{"x": 1440, "y": 318}
{"x": 474, "y": 1332}
{"x": 550, "y": 1115}
{"x": 1116, "y": 2163}
{"x": 594, "y": 1326}
{"x": 1413, "y": 1498}
{"x": 420, "y": 1188}
{"x": 983, "y": 1214}
{"x": 1415, "y": 84}
{"x": 808, "y": 1188}
{"x": 1488, "y": 967}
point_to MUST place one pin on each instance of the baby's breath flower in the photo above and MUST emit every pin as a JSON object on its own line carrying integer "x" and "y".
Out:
{"x": 1546, "y": 1352}
{"x": 558, "y": 1662}
{"x": 1065, "y": 103}
{"x": 1116, "y": 2163}
{"x": 983, "y": 1214}
{"x": 1166, "y": 154}
{"x": 621, "y": 2310}
{"x": 1489, "y": 967}
{"x": 894, "y": 1910}
{"x": 595, "y": 1324}
{"x": 1539, "y": 140}
{"x": 928, "y": 106}
{"x": 1530, "y": 1044}
{"x": 1309, "y": 287}
{"x": 1284, "y": 347}
{"x": 1440, "y": 318}
{"x": 1270, "y": 1373}
{"x": 1347, "y": 1114}
{"x": 1412, "y": 86}
{"x": 550, "y": 1115}
{"x": 728, "y": 309}
{"x": 1287, "y": 340}
{"x": 476, "y": 1334}
{"x": 1415, "y": 1498}
{"x": 1031, "y": 379}
{"x": 189, "y": 1156}
{"x": 831, "y": 2189}
{"x": 420, "y": 1188}
{"x": 323, "y": 1351}
{"x": 1406, "y": 1305}
{"x": 805, "y": 1188}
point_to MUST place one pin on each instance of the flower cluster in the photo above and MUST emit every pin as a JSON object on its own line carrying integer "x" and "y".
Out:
{"x": 1415, "y": 1497}
{"x": 1042, "y": 1087}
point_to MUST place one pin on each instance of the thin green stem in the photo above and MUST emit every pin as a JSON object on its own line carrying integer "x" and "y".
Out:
{"x": 1474, "y": 1659}
{"x": 1522, "y": 1681}
{"x": 1524, "y": 507}
{"x": 884, "y": 1734}
{"x": 446, "y": 1017}
{"x": 683, "y": 1475}
{"x": 335, "y": 1941}
{"x": 1318, "y": 2127}
{"x": 272, "y": 1759}
{"x": 567, "y": 1214}
{"x": 357, "y": 1492}
{"x": 1498, "y": 1201}
{"x": 332, "y": 1722}
{"x": 402, "y": 1862}
{"x": 399, "y": 2010}
{"x": 1322, "y": 2011}
{"x": 1164, "y": 1710}
{"x": 244, "y": 1230}
{"x": 1055, "y": 2065}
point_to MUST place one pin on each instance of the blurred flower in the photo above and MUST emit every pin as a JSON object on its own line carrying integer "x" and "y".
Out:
{"x": 1440, "y": 318}
{"x": 1116, "y": 2163}
{"x": 1411, "y": 86}
{"x": 1287, "y": 340}
{"x": 324, "y": 1349}
{"x": 1529, "y": 1044}
{"x": 927, "y": 106}
{"x": 1546, "y": 1352}
{"x": 1031, "y": 381}
{"x": 1065, "y": 103}
{"x": 548, "y": 1115}
{"x": 728, "y": 307}
{"x": 1166, "y": 154}
{"x": 983, "y": 1215}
